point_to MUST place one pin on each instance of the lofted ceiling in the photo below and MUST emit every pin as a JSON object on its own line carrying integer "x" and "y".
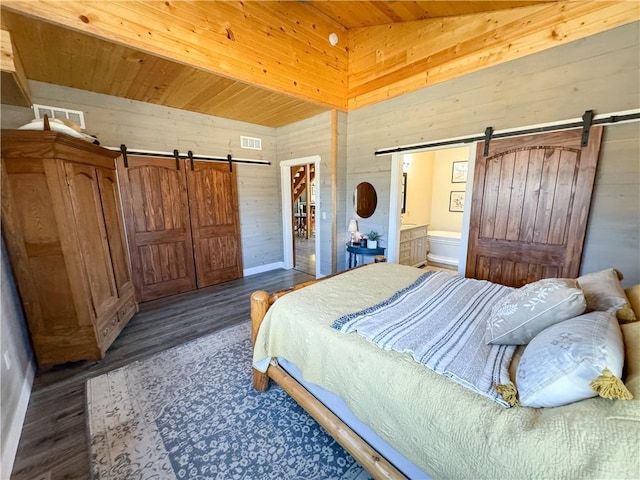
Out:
{"x": 368, "y": 14}
{"x": 270, "y": 63}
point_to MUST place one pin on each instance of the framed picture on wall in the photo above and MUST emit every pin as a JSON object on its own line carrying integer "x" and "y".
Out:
{"x": 459, "y": 172}
{"x": 456, "y": 202}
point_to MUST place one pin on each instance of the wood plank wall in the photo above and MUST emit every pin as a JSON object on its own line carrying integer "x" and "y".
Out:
{"x": 303, "y": 139}
{"x": 614, "y": 231}
{"x": 342, "y": 218}
{"x": 152, "y": 127}
{"x": 17, "y": 377}
{"x": 599, "y": 72}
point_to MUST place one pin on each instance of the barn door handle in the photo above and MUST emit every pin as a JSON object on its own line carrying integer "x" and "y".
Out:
{"x": 190, "y": 155}
{"x": 176, "y": 155}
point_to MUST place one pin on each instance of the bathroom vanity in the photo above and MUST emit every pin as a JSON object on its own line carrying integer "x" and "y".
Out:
{"x": 413, "y": 244}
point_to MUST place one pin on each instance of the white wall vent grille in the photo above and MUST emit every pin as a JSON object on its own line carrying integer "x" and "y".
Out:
{"x": 75, "y": 116}
{"x": 251, "y": 143}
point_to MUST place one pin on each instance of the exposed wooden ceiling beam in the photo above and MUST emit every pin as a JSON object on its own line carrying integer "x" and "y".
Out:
{"x": 15, "y": 86}
{"x": 367, "y": 13}
{"x": 391, "y": 60}
{"x": 280, "y": 46}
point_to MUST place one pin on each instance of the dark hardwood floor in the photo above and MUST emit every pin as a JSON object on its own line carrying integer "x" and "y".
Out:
{"x": 54, "y": 442}
{"x": 305, "y": 253}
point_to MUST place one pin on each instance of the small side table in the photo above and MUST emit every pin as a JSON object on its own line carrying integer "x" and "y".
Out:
{"x": 355, "y": 250}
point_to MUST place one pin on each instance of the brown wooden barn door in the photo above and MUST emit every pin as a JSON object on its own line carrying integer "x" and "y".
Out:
{"x": 215, "y": 222}
{"x": 154, "y": 198}
{"x": 530, "y": 206}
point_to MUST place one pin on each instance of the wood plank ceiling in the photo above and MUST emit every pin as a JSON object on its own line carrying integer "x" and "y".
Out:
{"x": 270, "y": 63}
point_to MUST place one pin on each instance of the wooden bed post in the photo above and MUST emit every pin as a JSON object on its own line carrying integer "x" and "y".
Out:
{"x": 364, "y": 453}
{"x": 259, "y": 307}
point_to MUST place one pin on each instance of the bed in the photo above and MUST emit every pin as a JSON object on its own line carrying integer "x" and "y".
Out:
{"x": 422, "y": 423}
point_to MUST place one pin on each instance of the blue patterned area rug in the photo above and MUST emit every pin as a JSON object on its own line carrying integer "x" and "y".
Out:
{"x": 191, "y": 413}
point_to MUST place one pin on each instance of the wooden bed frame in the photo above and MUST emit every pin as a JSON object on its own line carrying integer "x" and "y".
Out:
{"x": 366, "y": 455}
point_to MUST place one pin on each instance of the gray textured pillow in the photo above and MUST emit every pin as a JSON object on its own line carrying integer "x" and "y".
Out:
{"x": 603, "y": 292}
{"x": 525, "y": 312}
{"x": 559, "y": 365}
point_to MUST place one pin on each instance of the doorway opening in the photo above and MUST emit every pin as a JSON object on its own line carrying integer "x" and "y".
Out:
{"x": 300, "y": 179}
{"x": 429, "y": 217}
{"x": 303, "y": 203}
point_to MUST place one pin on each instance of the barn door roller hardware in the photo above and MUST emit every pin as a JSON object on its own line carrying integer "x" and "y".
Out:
{"x": 588, "y": 120}
{"x": 190, "y": 155}
{"x": 488, "y": 133}
{"x": 123, "y": 149}
{"x": 176, "y": 154}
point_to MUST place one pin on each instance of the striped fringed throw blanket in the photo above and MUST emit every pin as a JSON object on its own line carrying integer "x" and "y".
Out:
{"x": 440, "y": 320}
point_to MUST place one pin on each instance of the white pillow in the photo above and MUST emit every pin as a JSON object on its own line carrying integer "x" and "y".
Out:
{"x": 559, "y": 364}
{"x": 525, "y": 312}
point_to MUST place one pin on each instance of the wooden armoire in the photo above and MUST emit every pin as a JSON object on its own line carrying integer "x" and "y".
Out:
{"x": 63, "y": 227}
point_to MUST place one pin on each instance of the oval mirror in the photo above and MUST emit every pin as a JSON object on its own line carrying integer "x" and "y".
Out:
{"x": 365, "y": 199}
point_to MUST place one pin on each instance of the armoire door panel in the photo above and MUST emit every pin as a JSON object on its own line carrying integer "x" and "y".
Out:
{"x": 110, "y": 197}
{"x": 154, "y": 198}
{"x": 28, "y": 215}
{"x": 33, "y": 207}
{"x": 215, "y": 222}
{"x": 531, "y": 198}
{"x": 92, "y": 235}
{"x": 53, "y": 291}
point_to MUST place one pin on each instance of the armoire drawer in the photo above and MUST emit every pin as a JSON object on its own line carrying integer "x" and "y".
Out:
{"x": 110, "y": 325}
{"x": 127, "y": 310}
{"x": 105, "y": 327}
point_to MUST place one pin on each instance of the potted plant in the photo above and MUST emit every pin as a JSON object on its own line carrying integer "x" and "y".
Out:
{"x": 372, "y": 239}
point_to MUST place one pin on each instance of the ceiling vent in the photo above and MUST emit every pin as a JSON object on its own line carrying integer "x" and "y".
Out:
{"x": 251, "y": 143}
{"x": 75, "y": 116}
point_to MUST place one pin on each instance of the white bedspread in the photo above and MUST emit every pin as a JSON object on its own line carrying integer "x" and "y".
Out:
{"x": 440, "y": 319}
